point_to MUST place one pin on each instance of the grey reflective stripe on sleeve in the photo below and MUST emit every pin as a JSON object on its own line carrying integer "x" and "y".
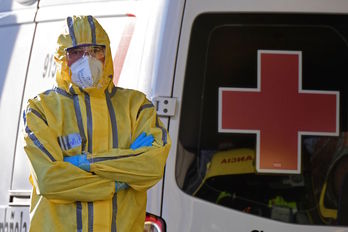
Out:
{"x": 113, "y": 92}
{"x": 78, "y": 216}
{"x": 90, "y": 216}
{"x": 59, "y": 91}
{"x": 24, "y": 118}
{"x": 91, "y": 24}
{"x": 62, "y": 143}
{"x": 62, "y": 92}
{"x": 71, "y": 30}
{"x": 144, "y": 107}
{"x": 89, "y": 123}
{"x": 79, "y": 121}
{"x": 164, "y": 131}
{"x": 35, "y": 139}
{"x": 114, "y": 213}
{"x": 112, "y": 120}
{"x": 48, "y": 91}
{"x": 37, "y": 114}
{"x": 38, "y": 144}
{"x": 101, "y": 159}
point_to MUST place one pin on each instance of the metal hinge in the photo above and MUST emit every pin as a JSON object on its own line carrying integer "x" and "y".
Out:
{"x": 165, "y": 106}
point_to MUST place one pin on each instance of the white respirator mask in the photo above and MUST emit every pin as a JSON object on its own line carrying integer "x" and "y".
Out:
{"x": 86, "y": 71}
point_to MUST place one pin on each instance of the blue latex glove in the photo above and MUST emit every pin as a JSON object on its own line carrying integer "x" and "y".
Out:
{"x": 143, "y": 140}
{"x": 120, "y": 186}
{"x": 79, "y": 161}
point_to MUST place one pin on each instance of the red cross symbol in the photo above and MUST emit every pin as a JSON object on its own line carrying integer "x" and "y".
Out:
{"x": 278, "y": 111}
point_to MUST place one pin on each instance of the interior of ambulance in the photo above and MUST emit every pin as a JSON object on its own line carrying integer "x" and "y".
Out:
{"x": 221, "y": 167}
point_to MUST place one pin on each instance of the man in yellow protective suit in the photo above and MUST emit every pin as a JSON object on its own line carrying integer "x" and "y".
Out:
{"x": 94, "y": 149}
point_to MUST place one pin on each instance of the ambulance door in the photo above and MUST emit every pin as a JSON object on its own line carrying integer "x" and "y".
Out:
{"x": 17, "y": 30}
{"x": 217, "y": 178}
{"x": 41, "y": 77}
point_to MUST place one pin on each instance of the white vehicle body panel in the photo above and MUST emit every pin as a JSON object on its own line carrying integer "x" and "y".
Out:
{"x": 12, "y": 12}
{"x": 17, "y": 29}
{"x": 155, "y": 64}
{"x": 196, "y": 214}
{"x": 17, "y": 23}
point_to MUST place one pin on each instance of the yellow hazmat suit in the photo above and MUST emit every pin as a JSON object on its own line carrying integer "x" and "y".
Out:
{"x": 102, "y": 122}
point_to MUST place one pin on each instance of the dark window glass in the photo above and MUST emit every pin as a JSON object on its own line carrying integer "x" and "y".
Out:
{"x": 223, "y": 53}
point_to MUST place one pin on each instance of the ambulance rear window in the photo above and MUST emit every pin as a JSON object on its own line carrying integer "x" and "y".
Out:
{"x": 224, "y": 161}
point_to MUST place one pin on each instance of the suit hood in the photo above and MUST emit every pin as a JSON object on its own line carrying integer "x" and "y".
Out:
{"x": 82, "y": 30}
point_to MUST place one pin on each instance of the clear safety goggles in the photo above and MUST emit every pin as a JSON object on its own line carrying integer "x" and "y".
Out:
{"x": 75, "y": 53}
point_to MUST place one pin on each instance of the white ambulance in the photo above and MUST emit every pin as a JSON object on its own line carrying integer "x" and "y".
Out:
{"x": 254, "y": 95}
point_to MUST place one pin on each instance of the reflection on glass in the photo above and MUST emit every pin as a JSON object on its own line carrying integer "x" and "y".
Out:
{"x": 220, "y": 167}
